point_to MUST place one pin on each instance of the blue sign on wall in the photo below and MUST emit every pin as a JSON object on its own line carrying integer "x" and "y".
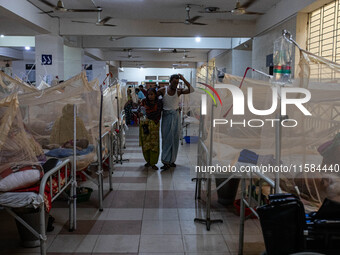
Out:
{"x": 46, "y": 59}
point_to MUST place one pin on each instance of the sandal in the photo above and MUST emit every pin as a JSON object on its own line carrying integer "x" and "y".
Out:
{"x": 165, "y": 167}
{"x": 154, "y": 167}
{"x": 147, "y": 164}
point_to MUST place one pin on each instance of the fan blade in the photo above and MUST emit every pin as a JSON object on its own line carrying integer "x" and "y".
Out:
{"x": 82, "y": 10}
{"x": 200, "y": 24}
{"x": 171, "y": 22}
{"x": 106, "y": 19}
{"x": 193, "y": 19}
{"x": 247, "y": 4}
{"x": 46, "y": 12}
{"x": 116, "y": 38}
{"x": 108, "y": 25}
{"x": 214, "y": 12}
{"x": 48, "y": 3}
{"x": 75, "y": 21}
{"x": 254, "y": 13}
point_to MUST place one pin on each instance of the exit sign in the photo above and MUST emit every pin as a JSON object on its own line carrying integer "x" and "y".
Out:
{"x": 46, "y": 59}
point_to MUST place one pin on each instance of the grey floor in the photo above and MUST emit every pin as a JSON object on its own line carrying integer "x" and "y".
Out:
{"x": 148, "y": 212}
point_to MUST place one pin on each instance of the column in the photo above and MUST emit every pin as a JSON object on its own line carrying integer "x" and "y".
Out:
{"x": 49, "y": 58}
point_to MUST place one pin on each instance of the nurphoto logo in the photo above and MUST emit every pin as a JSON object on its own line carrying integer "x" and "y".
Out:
{"x": 239, "y": 99}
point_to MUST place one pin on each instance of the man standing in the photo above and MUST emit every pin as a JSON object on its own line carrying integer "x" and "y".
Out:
{"x": 170, "y": 128}
{"x": 141, "y": 88}
{"x": 140, "y": 94}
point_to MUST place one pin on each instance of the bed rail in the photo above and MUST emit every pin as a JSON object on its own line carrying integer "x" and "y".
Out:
{"x": 108, "y": 140}
{"x": 48, "y": 178}
{"x": 244, "y": 203}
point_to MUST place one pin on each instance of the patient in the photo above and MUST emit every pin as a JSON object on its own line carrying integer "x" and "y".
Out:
{"x": 80, "y": 144}
{"x": 62, "y": 131}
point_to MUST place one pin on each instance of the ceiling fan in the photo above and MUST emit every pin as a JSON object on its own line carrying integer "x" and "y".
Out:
{"x": 180, "y": 64}
{"x": 174, "y": 51}
{"x": 112, "y": 38}
{"x": 185, "y": 56}
{"x": 188, "y": 20}
{"x": 129, "y": 56}
{"x": 61, "y": 8}
{"x": 238, "y": 10}
{"x": 100, "y": 22}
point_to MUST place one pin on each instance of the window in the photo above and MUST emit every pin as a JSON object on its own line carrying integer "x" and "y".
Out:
{"x": 324, "y": 37}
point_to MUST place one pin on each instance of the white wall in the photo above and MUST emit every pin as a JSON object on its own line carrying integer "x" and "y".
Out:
{"x": 19, "y": 66}
{"x": 241, "y": 60}
{"x": 138, "y": 75}
{"x": 224, "y": 62}
{"x": 73, "y": 59}
{"x": 50, "y": 45}
{"x": 234, "y": 62}
{"x": 99, "y": 68}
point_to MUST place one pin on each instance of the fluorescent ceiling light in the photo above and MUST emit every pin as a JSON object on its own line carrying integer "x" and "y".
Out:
{"x": 198, "y": 39}
{"x": 27, "y": 47}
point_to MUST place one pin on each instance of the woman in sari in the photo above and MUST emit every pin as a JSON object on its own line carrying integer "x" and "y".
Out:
{"x": 151, "y": 107}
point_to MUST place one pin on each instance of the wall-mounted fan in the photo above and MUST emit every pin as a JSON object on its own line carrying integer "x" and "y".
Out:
{"x": 100, "y": 22}
{"x": 129, "y": 56}
{"x": 188, "y": 20}
{"x": 238, "y": 10}
{"x": 61, "y": 8}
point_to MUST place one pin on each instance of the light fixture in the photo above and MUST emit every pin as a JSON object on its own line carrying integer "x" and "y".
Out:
{"x": 27, "y": 47}
{"x": 198, "y": 39}
{"x": 159, "y": 49}
{"x": 2, "y": 36}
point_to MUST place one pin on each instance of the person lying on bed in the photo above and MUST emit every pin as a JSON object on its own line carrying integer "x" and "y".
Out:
{"x": 62, "y": 130}
{"x": 80, "y": 144}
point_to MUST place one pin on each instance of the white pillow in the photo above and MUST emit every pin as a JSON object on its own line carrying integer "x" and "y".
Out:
{"x": 19, "y": 180}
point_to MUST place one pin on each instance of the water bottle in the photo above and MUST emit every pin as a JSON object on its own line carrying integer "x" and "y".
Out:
{"x": 282, "y": 58}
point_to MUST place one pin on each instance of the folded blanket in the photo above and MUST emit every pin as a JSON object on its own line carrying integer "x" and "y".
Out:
{"x": 247, "y": 156}
{"x": 63, "y": 152}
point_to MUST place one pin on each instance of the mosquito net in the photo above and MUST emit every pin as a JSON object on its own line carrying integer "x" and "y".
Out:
{"x": 49, "y": 116}
{"x": 17, "y": 147}
{"x": 309, "y": 142}
{"x": 8, "y": 85}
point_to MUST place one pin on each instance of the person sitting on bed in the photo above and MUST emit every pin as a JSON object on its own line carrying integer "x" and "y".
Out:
{"x": 62, "y": 130}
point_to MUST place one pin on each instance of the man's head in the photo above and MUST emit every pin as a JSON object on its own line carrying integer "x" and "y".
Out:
{"x": 136, "y": 90}
{"x": 141, "y": 87}
{"x": 174, "y": 80}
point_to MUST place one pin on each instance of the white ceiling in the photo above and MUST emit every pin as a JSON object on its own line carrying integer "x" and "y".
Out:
{"x": 156, "y": 9}
{"x": 141, "y": 19}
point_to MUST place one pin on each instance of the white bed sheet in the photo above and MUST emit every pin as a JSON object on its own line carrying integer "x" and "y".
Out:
{"x": 20, "y": 199}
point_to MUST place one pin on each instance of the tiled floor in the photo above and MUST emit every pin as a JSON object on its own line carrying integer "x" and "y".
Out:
{"x": 148, "y": 212}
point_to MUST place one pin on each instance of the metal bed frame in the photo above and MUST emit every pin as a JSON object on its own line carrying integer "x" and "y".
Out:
{"x": 244, "y": 203}
{"x": 108, "y": 137}
{"x": 248, "y": 203}
{"x": 201, "y": 147}
{"x": 119, "y": 139}
{"x": 41, "y": 234}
